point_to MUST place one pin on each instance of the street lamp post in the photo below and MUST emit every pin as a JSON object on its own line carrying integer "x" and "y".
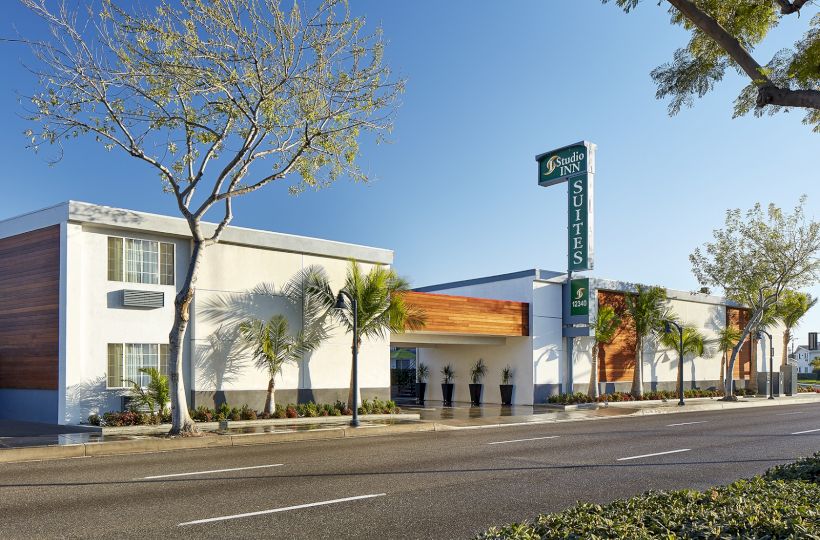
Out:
{"x": 760, "y": 334}
{"x": 354, "y": 307}
{"x": 667, "y": 329}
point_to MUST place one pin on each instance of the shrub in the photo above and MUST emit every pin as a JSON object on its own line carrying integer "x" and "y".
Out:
{"x": 235, "y": 414}
{"x": 290, "y": 412}
{"x": 202, "y": 414}
{"x": 807, "y": 468}
{"x": 126, "y": 418}
{"x": 756, "y": 508}
{"x": 94, "y": 419}
{"x": 246, "y": 413}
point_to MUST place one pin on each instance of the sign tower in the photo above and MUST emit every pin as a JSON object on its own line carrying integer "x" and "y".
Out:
{"x": 575, "y": 165}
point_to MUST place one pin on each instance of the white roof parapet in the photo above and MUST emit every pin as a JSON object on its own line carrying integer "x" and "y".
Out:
{"x": 143, "y": 221}
{"x": 119, "y": 218}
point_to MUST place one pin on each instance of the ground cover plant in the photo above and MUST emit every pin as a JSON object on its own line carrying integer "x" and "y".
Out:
{"x": 226, "y": 412}
{"x": 782, "y": 503}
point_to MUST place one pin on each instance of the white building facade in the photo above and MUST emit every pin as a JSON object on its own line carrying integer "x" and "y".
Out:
{"x": 100, "y": 286}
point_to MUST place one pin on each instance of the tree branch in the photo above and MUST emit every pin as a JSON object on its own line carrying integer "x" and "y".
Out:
{"x": 768, "y": 92}
{"x": 787, "y": 8}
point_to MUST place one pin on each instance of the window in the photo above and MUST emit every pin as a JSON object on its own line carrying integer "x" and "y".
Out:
{"x": 125, "y": 361}
{"x": 140, "y": 261}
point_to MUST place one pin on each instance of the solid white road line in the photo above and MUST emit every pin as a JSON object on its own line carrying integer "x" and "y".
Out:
{"x": 523, "y": 440}
{"x": 788, "y": 413}
{"x": 687, "y": 423}
{"x": 807, "y": 431}
{"x": 209, "y": 472}
{"x": 655, "y": 454}
{"x": 284, "y": 509}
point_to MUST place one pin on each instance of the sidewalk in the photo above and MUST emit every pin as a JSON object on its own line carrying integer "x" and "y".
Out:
{"x": 62, "y": 443}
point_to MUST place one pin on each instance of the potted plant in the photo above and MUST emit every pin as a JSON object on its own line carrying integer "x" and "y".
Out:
{"x": 477, "y": 373}
{"x": 447, "y": 376}
{"x": 421, "y": 382}
{"x": 506, "y": 387}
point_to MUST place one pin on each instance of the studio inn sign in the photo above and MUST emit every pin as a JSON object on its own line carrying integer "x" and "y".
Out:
{"x": 574, "y": 164}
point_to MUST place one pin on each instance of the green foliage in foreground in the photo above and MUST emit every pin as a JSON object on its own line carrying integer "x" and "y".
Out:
{"x": 781, "y": 504}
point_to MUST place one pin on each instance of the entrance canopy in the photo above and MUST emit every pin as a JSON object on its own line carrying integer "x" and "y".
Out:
{"x": 463, "y": 320}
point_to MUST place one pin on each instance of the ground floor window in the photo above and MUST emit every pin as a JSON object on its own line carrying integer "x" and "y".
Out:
{"x": 126, "y": 359}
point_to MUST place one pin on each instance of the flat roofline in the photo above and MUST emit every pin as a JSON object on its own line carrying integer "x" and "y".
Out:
{"x": 132, "y": 220}
{"x": 531, "y": 273}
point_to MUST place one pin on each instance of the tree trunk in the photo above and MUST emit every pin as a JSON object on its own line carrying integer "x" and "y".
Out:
{"x": 593, "y": 376}
{"x": 181, "y": 422}
{"x": 350, "y": 390}
{"x": 637, "y": 374}
{"x": 269, "y": 403}
{"x": 722, "y": 367}
{"x": 753, "y": 362}
{"x": 787, "y": 337}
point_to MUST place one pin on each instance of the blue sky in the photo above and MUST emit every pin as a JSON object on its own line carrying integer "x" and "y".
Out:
{"x": 489, "y": 86}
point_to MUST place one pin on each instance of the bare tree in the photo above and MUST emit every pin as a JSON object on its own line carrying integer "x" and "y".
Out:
{"x": 754, "y": 258}
{"x": 219, "y": 97}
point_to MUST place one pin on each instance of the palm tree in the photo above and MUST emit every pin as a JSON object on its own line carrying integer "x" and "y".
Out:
{"x": 381, "y": 307}
{"x": 647, "y": 309}
{"x": 791, "y": 307}
{"x": 693, "y": 341}
{"x": 272, "y": 342}
{"x": 604, "y": 327}
{"x": 726, "y": 340}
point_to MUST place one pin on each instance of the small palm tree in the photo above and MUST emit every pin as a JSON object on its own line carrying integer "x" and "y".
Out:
{"x": 604, "y": 327}
{"x": 647, "y": 309}
{"x": 155, "y": 394}
{"x": 693, "y": 341}
{"x": 726, "y": 340}
{"x": 791, "y": 307}
{"x": 273, "y": 344}
{"x": 381, "y": 307}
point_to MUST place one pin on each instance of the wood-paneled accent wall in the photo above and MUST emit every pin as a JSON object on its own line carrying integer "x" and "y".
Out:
{"x": 616, "y": 360}
{"x": 737, "y": 318}
{"x": 468, "y": 315}
{"x": 29, "y": 309}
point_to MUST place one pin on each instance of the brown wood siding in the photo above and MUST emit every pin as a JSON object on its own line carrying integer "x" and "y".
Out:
{"x": 616, "y": 360}
{"x": 467, "y": 315}
{"x": 737, "y": 318}
{"x": 29, "y": 309}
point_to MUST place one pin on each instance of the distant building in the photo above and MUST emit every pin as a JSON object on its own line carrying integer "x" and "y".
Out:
{"x": 805, "y": 355}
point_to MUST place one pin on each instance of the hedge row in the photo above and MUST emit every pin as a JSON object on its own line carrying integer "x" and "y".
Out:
{"x": 783, "y": 503}
{"x": 579, "y": 397}
{"x": 225, "y": 412}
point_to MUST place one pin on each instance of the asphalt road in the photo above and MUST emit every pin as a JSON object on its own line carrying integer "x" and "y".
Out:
{"x": 422, "y": 485}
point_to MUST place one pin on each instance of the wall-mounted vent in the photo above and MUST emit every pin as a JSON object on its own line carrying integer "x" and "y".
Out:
{"x": 143, "y": 299}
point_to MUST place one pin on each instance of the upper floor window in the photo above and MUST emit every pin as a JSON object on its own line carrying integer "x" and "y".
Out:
{"x": 140, "y": 261}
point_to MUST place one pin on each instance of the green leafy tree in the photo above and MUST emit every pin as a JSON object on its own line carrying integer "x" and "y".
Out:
{"x": 727, "y": 338}
{"x": 647, "y": 308}
{"x": 220, "y": 98}
{"x": 754, "y": 258}
{"x": 272, "y": 342}
{"x": 155, "y": 394}
{"x": 604, "y": 327}
{"x": 381, "y": 306}
{"x": 723, "y": 36}
{"x": 791, "y": 307}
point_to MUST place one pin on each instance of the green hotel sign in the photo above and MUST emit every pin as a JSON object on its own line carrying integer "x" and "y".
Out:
{"x": 560, "y": 165}
{"x": 580, "y": 223}
{"x": 579, "y": 297}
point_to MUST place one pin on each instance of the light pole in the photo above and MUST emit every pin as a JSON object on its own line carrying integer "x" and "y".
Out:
{"x": 354, "y": 307}
{"x": 667, "y": 329}
{"x": 771, "y": 359}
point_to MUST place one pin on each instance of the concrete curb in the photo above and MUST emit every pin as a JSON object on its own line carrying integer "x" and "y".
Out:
{"x": 214, "y": 426}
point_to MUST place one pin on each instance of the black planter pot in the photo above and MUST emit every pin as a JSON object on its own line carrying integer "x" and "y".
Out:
{"x": 506, "y": 393}
{"x": 420, "y": 388}
{"x": 475, "y": 393}
{"x": 447, "y": 393}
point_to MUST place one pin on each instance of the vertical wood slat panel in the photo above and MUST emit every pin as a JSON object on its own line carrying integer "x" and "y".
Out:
{"x": 738, "y": 318}
{"x": 616, "y": 360}
{"x": 469, "y": 315}
{"x": 29, "y": 309}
